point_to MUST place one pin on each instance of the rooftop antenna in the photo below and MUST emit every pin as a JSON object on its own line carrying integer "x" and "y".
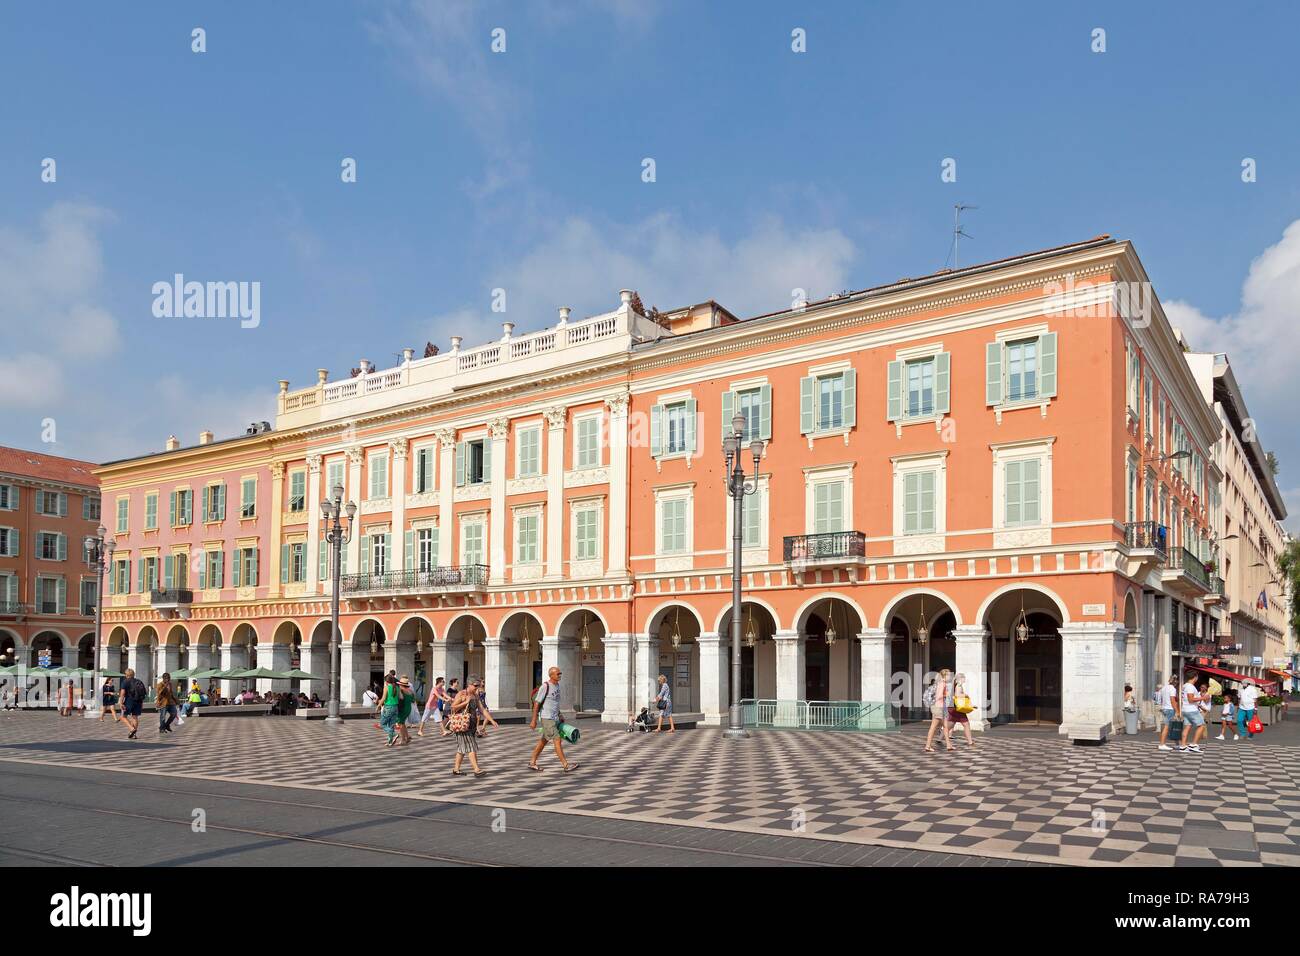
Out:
{"x": 957, "y": 232}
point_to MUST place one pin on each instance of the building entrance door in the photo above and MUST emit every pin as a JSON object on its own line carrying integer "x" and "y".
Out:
{"x": 1038, "y": 673}
{"x": 817, "y": 668}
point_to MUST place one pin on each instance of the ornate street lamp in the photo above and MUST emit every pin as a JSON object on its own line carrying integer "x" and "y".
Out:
{"x": 336, "y": 535}
{"x": 751, "y": 637}
{"x": 738, "y": 486}
{"x": 922, "y": 632}
{"x": 830, "y": 634}
{"x": 584, "y": 636}
{"x": 525, "y": 641}
{"x": 99, "y": 555}
{"x": 1022, "y": 626}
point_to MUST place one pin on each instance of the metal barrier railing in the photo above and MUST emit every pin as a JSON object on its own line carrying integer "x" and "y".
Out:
{"x": 854, "y": 715}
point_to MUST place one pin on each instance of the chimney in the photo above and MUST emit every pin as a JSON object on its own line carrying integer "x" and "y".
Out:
{"x": 205, "y": 438}
{"x": 173, "y": 443}
{"x": 564, "y": 314}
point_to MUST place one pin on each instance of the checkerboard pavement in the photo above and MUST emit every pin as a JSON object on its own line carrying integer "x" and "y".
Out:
{"x": 1017, "y": 795}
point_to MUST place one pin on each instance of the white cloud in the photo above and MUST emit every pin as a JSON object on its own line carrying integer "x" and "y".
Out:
{"x": 1261, "y": 340}
{"x": 51, "y": 302}
{"x": 583, "y": 265}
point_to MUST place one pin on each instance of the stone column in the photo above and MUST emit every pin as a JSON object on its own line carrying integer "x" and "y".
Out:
{"x": 233, "y": 656}
{"x": 564, "y": 653}
{"x": 645, "y": 681}
{"x": 619, "y": 663}
{"x": 356, "y": 455}
{"x": 199, "y": 658}
{"x": 400, "y": 657}
{"x": 875, "y": 665}
{"x": 497, "y": 431}
{"x": 315, "y": 659}
{"x": 269, "y": 565}
{"x": 616, "y": 562}
{"x": 971, "y": 661}
{"x": 1092, "y": 680}
{"x": 715, "y": 677}
{"x": 354, "y": 672}
{"x": 314, "y": 543}
{"x": 169, "y": 659}
{"x": 397, "y": 462}
{"x": 446, "y": 498}
{"x": 791, "y": 677}
{"x": 448, "y": 660}
{"x": 274, "y": 657}
{"x": 556, "y": 419}
{"x": 499, "y": 659}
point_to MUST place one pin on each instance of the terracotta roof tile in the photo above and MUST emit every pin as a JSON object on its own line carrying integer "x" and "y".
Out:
{"x": 32, "y": 464}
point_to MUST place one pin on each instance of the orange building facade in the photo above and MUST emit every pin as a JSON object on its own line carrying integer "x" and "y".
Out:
{"x": 1001, "y": 470}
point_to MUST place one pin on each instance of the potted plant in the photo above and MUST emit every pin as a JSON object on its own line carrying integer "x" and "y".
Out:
{"x": 1268, "y": 707}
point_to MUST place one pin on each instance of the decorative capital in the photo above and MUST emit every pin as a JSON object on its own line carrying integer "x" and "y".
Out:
{"x": 277, "y": 471}
{"x": 617, "y": 404}
{"x": 446, "y": 436}
{"x": 398, "y": 447}
{"x": 557, "y": 417}
{"x": 313, "y": 464}
{"x": 356, "y": 455}
{"x": 498, "y": 428}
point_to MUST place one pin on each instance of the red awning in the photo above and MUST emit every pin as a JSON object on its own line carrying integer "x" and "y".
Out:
{"x": 1220, "y": 672}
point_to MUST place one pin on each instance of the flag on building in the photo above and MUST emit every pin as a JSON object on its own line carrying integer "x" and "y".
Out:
{"x": 1261, "y": 602}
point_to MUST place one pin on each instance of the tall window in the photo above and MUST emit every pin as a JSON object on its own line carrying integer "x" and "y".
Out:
{"x": 918, "y": 502}
{"x": 751, "y": 520}
{"x": 920, "y": 387}
{"x": 586, "y": 453}
{"x": 526, "y": 545}
{"x": 51, "y": 503}
{"x": 471, "y": 550}
{"x": 830, "y": 402}
{"x": 423, "y": 472}
{"x": 673, "y": 530}
{"x": 122, "y": 576}
{"x": 122, "y": 505}
{"x": 8, "y": 542}
{"x": 182, "y": 507}
{"x": 334, "y": 477}
{"x": 214, "y": 570}
{"x": 379, "y": 554}
{"x": 1131, "y": 503}
{"x": 150, "y": 511}
{"x": 426, "y": 549}
{"x": 298, "y": 490}
{"x": 378, "y": 476}
{"x": 1022, "y": 369}
{"x": 1023, "y": 501}
{"x": 676, "y": 437}
{"x": 49, "y": 595}
{"x": 473, "y": 462}
{"x": 529, "y": 443}
{"x": 296, "y": 568}
{"x": 89, "y": 597}
{"x": 90, "y": 508}
{"x": 51, "y": 547}
{"x": 749, "y": 405}
{"x": 828, "y": 507}
{"x": 8, "y": 497}
{"x": 586, "y": 543}
{"x": 248, "y": 498}
{"x": 244, "y": 568}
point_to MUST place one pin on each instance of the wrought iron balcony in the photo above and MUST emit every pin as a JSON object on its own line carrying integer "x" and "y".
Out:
{"x": 1147, "y": 536}
{"x": 469, "y": 577}
{"x": 12, "y": 608}
{"x": 1194, "y": 568}
{"x": 170, "y": 597}
{"x": 836, "y": 547}
{"x": 1183, "y": 642}
{"x": 1215, "y": 596}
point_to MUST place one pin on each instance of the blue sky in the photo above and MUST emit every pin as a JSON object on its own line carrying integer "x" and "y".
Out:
{"x": 522, "y": 170}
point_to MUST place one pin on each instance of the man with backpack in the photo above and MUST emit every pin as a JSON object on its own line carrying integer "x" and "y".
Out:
{"x": 132, "y": 700}
{"x": 546, "y": 707}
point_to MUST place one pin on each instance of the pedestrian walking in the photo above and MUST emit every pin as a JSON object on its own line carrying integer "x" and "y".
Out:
{"x": 388, "y": 709}
{"x": 664, "y": 704}
{"x": 1246, "y": 708}
{"x": 1204, "y": 705}
{"x": 1166, "y": 697}
{"x": 1193, "y": 717}
{"x": 464, "y": 724}
{"x": 546, "y": 708}
{"x": 1228, "y": 716}
{"x": 485, "y": 715}
{"x": 370, "y": 698}
{"x": 108, "y": 701}
{"x": 453, "y": 690}
{"x": 131, "y": 698}
{"x": 404, "y": 707}
{"x": 956, "y": 716}
{"x": 433, "y": 707}
{"x": 938, "y": 698}
{"x": 165, "y": 701}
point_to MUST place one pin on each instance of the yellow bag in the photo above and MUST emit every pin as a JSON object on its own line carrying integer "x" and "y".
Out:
{"x": 961, "y": 703}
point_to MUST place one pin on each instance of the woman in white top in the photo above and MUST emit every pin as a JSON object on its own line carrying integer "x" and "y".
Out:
{"x": 942, "y": 689}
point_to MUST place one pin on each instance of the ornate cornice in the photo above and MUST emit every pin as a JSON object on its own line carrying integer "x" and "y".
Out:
{"x": 499, "y": 428}
{"x": 313, "y": 464}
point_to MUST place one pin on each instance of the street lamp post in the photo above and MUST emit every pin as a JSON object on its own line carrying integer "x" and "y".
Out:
{"x": 336, "y": 536}
{"x": 738, "y": 486}
{"x": 99, "y": 555}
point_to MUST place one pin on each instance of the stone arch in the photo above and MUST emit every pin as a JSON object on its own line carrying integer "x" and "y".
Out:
{"x": 177, "y": 635}
{"x": 892, "y": 607}
{"x": 86, "y": 650}
{"x": 759, "y": 624}
{"x": 659, "y": 615}
{"x": 1130, "y": 612}
{"x": 1063, "y": 613}
{"x": 682, "y": 663}
{"x": 570, "y": 625}
{"x": 720, "y": 624}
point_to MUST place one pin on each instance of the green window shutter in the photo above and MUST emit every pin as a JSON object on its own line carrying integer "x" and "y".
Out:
{"x": 461, "y": 453}
{"x": 127, "y": 579}
{"x": 208, "y": 506}
{"x": 189, "y": 507}
{"x": 365, "y": 554}
{"x": 926, "y": 522}
{"x": 1029, "y": 491}
{"x": 236, "y": 569}
{"x": 487, "y": 459}
{"x": 63, "y": 505}
{"x": 221, "y": 502}
{"x": 284, "y": 564}
{"x": 343, "y": 561}
{"x": 322, "y": 554}
{"x": 142, "y": 564}
{"x": 993, "y": 373}
{"x": 1047, "y": 365}
{"x": 765, "y": 412}
{"x": 894, "y": 392}
{"x": 169, "y": 571}
{"x": 388, "y": 551}
{"x": 112, "y": 578}
{"x": 806, "y": 385}
{"x": 942, "y": 376}
{"x": 252, "y": 577}
{"x": 203, "y": 572}
{"x": 911, "y": 502}
{"x": 221, "y": 570}
{"x": 409, "y": 551}
{"x": 1012, "y": 492}
{"x": 13, "y": 542}
{"x": 63, "y": 547}
{"x": 656, "y": 430}
{"x": 171, "y": 512}
{"x": 728, "y": 404}
{"x": 690, "y": 426}
{"x": 63, "y": 595}
{"x": 850, "y": 398}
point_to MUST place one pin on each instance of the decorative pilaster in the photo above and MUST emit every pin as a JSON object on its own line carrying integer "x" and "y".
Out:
{"x": 715, "y": 677}
{"x": 616, "y": 564}
{"x": 354, "y": 672}
{"x": 397, "y": 449}
{"x": 791, "y": 678}
{"x": 446, "y": 497}
{"x": 1092, "y": 680}
{"x": 556, "y": 423}
{"x": 619, "y": 652}
{"x": 499, "y": 678}
{"x": 272, "y": 563}
{"x": 498, "y": 429}
{"x": 646, "y": 683}
{"x": 971, "y": 657}
{"x": 313, "y": 523}
{"x": 875, "y": 664}
{"x": 356, "y": 457}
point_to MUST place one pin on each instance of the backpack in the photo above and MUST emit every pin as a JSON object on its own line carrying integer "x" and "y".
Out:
{"x": 134, "y": 689}
{"x": 927, "y": 697}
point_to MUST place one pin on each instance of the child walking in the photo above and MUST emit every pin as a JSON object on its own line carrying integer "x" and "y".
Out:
{"x": 1228, "y": 717}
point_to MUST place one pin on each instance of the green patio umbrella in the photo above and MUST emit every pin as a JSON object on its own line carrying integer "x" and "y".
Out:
{"x": 205, "y": 675}
{"x": 261, "y": 673}
{"x": 296, "y": 674}
{"x": 105, "y": 672}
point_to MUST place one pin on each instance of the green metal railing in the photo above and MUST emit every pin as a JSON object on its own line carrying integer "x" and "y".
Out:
{"x": 854, "y": 715}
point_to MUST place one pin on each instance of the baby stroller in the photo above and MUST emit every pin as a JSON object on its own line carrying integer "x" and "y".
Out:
{"x": 641, "y": 722}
